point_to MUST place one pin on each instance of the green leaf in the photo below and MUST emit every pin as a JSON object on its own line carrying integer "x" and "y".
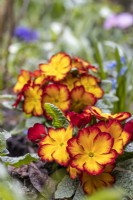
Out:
{"x": 4, "y": 135}
{"x": 79, "y": 194}
{"x": 66, "y": 188}
{"x": 59, "y": 174}
{"x": 106, "y": 104}
{"x": 7, "y": 97}
{"x": 124, "y": 176}
{"x": 59, "y": 120}
{"x": 111, "y": 97}
{"x": 107, "y": 194}
{"x": 33, "y": 120}
{"x": 7, "y": 101}
{"x": 19, "y": 161}
{"x": 99, "y": 58}
{"x": 106, "y": 85}
{"x": 125, "y": 156}
{"x": 129, "y": 147}
{"x": 8, "y": 104}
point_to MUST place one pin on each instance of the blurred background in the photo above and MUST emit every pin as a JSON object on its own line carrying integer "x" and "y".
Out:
{"x": 101, "y": 32}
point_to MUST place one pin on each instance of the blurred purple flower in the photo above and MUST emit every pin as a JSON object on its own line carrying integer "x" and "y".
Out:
{"x": 111, "y": 65}
{"x": 123, "y": 60}
{"x": 122, "y": 21}
{"x": 123, "y": 70}
{"x": 26, "y": 34}
{"x": 110, "y": 22}
{"x": 114, "y": 83}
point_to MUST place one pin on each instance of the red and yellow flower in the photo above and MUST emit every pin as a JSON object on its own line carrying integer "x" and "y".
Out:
{"x": 40, "y": 78}
{"x": 106, "y": 116}
{"x": 23, "y": 79}
{"x": 90, "y": 84}
{"x": 82, "y": 65}
{"x": 37, "y": 132}
{"x": 73, "y": 172}
{"x": 53, "y": 146}
{"x": 58, "y": 95}
{"x": 129, "y": 128}
{"x": 91, "y": 184}
{"x": 91, "y": 150}
{"x": 79, "y": 120}
{"x": 114, "y": 128}
{"x": 69, "y": 81}
{"x": 32, "y": 100}
{"x": 58, "y": 67}
{"x": 80, "y": 99}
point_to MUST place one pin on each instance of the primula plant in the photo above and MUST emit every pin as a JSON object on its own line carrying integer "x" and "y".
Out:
{"x": 75, "y": 135}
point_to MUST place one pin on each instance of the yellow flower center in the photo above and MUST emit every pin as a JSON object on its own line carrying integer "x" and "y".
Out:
{"x": 91, "y": 154}
{"x": 61, "y": 144}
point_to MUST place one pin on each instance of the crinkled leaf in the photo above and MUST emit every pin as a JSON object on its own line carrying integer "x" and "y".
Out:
{"x": 19, "y": 161}
{"x": 111, "y": 97}
{"x": 124, "y": 176}
{"x": 104, "y": 104}
{"x": 4, "y": 135}
{"x": 37, "y": 178}
{"x": 33, "y": 120}
{"x": 49, "y": 188}
{"x": 59, "y": 120}
{"x": 79, "y": 194}
{"x": 106, "y": 85}
{"x": 129, "y": 147}
{"x": 66, "y": 188}
{"x": 58, "y": 174}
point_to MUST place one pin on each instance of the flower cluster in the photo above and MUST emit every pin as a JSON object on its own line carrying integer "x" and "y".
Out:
{"x": 88, "y": 147}
{"x": 67, "y": 82}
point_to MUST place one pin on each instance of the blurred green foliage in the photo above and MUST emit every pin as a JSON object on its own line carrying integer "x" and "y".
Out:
{"x": 72, "y": 26}
{"x": 107, "y": 194}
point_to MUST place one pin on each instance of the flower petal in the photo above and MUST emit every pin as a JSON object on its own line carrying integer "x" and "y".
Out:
{"x": 86, "y": 138}
{"x": 107, "y": 142}
{"x": 46, "y": 151}
{"x": 92, "y": 167}
{"x": 108, "y": 158}
{"x": 61, "y": 156}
